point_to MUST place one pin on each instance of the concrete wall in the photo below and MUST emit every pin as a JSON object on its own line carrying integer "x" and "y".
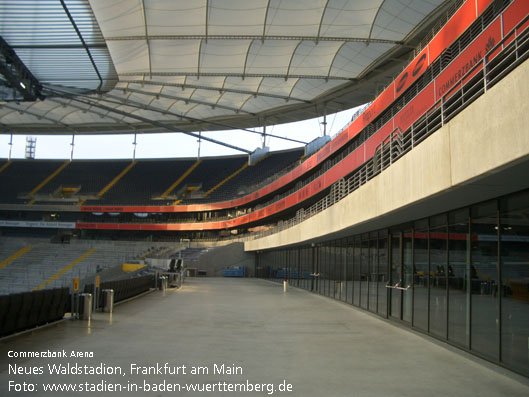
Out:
{"x": 482, "y": 153}
{"x": 216, "y": 259}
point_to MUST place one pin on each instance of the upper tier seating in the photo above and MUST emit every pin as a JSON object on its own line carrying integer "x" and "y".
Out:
{"x": 22, "y": 176}
{"x": 144, "y": 183}
{"x": 244, "y": 182}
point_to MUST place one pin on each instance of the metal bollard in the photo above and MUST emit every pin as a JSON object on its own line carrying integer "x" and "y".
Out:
{"x": 109, "y": 300}
{"x": 285, "y": 285}
{"x": 163, "y": 283}
{"x": 86, "y": 300}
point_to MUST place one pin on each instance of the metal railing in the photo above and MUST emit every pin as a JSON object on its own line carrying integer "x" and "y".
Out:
{"x": 487, "y": 72}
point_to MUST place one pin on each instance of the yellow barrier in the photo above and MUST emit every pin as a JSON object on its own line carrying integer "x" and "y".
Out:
{"x": 179, "y": 180}
{"x": 225, "y": 180}
{"x": 131, "y": 267}
{"x": 5, "y": 166}
{"x": 116, "y": 179}
{"x": 45, "y": 181}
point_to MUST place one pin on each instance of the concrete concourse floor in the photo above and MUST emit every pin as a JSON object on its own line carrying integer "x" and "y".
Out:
{"x": 320, "y": 346}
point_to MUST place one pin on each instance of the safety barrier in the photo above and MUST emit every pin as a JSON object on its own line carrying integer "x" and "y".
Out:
{"x": 123, "y": 289}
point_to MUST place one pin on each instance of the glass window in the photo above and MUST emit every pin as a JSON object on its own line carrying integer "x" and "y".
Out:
{"x": 439, "y": 273}
{"x": 324, "y": 271}
{"x": 364, "y": 272}
{"x": 514, "y": 232}
{"x": 484, "y": 280}
{"x": 383, "y": 278}
{"x": 341, "y": 255}
{"x": 333, "y": 269}
{"x": 356, "y": 271}
{"x": 349, "y": 275}
{"x": 420, "y": 277}
{"x": 407, "y": 267}
{"x": 373, "y": 270}
{"x": 459, "y": 287}
{"x": 317, "y": 269}
{"x": 395, "y": 294}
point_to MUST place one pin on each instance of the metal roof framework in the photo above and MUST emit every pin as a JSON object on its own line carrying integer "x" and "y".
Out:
{"x": 197, "y": 65}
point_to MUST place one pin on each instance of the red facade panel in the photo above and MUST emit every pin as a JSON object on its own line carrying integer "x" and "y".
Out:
{"x": 470, "y": 57}
{"x": 453, "y": 29}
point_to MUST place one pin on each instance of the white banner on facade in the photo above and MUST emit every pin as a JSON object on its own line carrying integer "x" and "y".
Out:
{"x": 48, "y": 225}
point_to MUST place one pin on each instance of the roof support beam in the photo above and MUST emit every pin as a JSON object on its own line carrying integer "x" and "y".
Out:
{"x": 241, "y": 75}
{"x": 206, "y": 24}
{"x": 253, "y": 37}
{"x": 333, "y": 59}
{"x": 223, "y": 89}
{"x": 39, "y": 116}
{"x": 144, "y": 12}
{"x": 321, "y": 21}
{"x": 77, "y": 107}
{"x": 148, "y": 121}
{"x": 264, "y": 23}
{"x": 246, "y": 59}
{"x": 83, "y": 43}
{"x": 212, "y": 104}
{"x": 291, "y": 58}
{"x": 198, "y": 60}
{"x": 373, "y": 23}
{"x": 128, "y": 102}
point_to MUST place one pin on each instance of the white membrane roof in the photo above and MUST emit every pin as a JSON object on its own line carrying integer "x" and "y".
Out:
{"x": 205, "y": 64}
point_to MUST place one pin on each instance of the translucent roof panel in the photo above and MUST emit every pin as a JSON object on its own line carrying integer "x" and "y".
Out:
{"x": 46, "y": 40}
{"x": 127, "y": 65}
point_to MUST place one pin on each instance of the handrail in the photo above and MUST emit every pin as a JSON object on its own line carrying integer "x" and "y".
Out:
{"x": 416, "y": 134}
{"x": 397, "y": 287}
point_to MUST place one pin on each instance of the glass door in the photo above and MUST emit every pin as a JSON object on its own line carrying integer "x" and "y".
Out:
{"x": 315, "y": 275}
{"x": 396, "y": 275}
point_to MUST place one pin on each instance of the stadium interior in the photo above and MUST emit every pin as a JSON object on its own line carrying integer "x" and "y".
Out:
{"x": 417, "y": 211}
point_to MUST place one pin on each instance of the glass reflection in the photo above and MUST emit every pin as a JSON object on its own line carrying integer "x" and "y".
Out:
{"x": 396, "y": 280}
{"x": 514, "y": 221}
{"x": 459, "y": 287}
{"x": 373, "y": 272}
{"x": 484, "y": 280}
{"x": 407, "y": 263}
{"x": 383, "y": 278}
{"x": 420, "y": 280}
{"x": 439, "y": 273}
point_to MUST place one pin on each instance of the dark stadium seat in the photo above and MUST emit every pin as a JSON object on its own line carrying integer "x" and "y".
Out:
{"x": 23, "y": 313}
{"x": 56, "y": 304}
{"x": 4, "y": 308}
{"x": 11, "y": 319}
{"x": 36, "y": 307}
{"x": 44, "y": 313}
{"x": 22, "y": 176}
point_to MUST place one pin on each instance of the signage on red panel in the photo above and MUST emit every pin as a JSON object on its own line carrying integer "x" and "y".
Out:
{"x": 339, "y": 141}
{"x": 412, "y": 72}
{"x": 377, "y": 138}
{"x": 416, "y": 108}
{"x": 469, "y": 58}
{"x": 377, "y": 107}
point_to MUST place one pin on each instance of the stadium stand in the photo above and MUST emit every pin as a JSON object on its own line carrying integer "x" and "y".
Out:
{"x": 245, "y": 182}
{"x": 86, "y": 177}
{"x": 23, "y": 176}
{"x": 148, "y": 182}
{"x": 48, "y": 265}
